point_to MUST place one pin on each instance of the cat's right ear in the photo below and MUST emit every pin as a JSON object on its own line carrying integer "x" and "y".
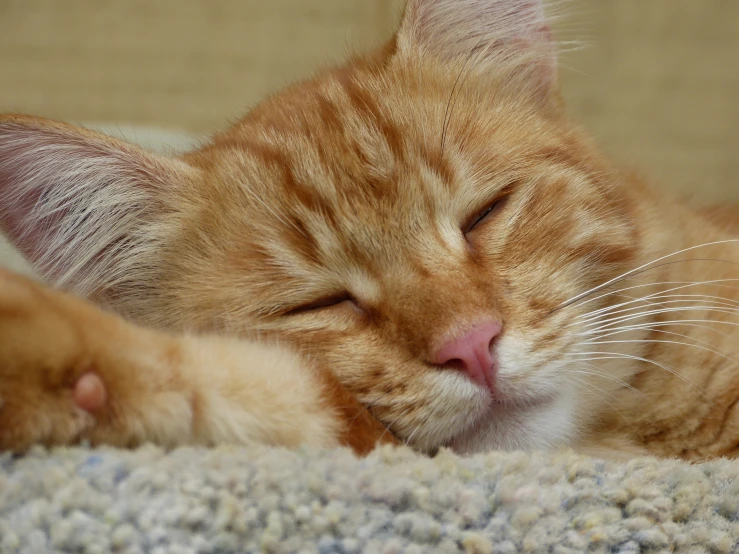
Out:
{"x": 86, "y": 210}
{"x": 508, "y": 38}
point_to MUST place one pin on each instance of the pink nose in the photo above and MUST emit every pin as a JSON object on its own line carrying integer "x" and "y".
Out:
{"x": 471, "y": 353}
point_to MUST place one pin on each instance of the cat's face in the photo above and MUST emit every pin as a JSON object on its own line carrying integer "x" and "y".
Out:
{"x": 332, "y": 218}
{"x": 411, "y": 220}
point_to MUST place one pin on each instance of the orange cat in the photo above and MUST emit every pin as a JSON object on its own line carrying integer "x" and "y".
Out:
{"x": 416, "y": 246}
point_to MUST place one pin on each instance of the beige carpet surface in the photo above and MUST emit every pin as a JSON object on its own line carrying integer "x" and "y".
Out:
{"x": 259, "y": 500}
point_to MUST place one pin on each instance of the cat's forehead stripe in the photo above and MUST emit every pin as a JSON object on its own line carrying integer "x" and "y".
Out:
{"x": 347, "y": 181}
{"x": 364, "y": 103}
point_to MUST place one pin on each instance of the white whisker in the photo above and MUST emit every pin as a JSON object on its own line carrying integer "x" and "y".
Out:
{"x": 724, "y": 303}
{"x": 684, "y": 284}
{"x": 619, "y": 355}
{"x": 606, "y": 323}
{"x": 653, "y": 328}
{"x": 649, "y": 296}
{"x": 657, "y": 341}
{"x": 604, "y": 375}
{"x": 640, "y": 268}
{"x": 677, "y": 322}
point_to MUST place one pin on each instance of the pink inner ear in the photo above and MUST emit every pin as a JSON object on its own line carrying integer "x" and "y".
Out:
{"x": 22, "y": 190}
{"x": 69, "y": 200}
{"x": 499, "y": 31}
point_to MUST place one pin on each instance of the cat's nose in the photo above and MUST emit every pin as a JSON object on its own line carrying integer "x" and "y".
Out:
{"x": 472, "y": 353}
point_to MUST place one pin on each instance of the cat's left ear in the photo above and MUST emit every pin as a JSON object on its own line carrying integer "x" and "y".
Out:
{"x": 87, "y": 210}
{"x": 505, "y": 37}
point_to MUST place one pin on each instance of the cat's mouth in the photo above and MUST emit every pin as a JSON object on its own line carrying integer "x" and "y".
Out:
{"x": 501, "y": 425}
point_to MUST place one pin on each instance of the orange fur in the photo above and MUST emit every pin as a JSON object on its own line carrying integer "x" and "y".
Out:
{"x": 332, "y": 219}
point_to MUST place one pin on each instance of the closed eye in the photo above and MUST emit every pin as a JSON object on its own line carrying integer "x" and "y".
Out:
{"x": 491, "y": 208}
{"x": 485, "y": 214}
{"x": 324, "y": 302}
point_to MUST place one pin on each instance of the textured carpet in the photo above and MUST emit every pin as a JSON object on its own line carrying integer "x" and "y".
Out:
{"x": 264, "y": 500}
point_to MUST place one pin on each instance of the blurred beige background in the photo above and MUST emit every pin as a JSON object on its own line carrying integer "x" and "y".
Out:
{"x": 657, "y": 82}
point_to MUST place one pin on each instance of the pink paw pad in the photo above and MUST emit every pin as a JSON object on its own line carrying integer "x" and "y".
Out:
{"x": 89, "y": 392}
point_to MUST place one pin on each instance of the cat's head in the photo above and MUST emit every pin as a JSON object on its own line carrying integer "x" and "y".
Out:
{"x": 412, "y": 219}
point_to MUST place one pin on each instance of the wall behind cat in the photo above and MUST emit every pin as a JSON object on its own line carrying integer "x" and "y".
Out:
{"x": 656, "y": 81}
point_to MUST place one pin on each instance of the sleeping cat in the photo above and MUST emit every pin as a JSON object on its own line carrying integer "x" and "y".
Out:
{"x": 418, "y": 246}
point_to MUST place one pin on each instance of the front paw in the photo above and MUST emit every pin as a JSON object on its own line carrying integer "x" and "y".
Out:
{"x": 49, "y": 391}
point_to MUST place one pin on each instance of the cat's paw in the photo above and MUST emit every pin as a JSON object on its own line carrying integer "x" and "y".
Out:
{"x": 49, "y": 392}
{"x": 70, "y": 371}
{"x": 89, "y": 393}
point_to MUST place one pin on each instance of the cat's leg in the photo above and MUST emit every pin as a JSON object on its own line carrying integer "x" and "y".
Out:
{"x": 70, "y": 371}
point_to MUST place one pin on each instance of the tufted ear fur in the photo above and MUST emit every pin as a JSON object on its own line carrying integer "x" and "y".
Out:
{"x": 83, "y": 207}
{"x": 506, "y": 37}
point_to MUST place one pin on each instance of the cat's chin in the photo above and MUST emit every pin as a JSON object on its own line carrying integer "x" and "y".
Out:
{"x": 547, "y": 423}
